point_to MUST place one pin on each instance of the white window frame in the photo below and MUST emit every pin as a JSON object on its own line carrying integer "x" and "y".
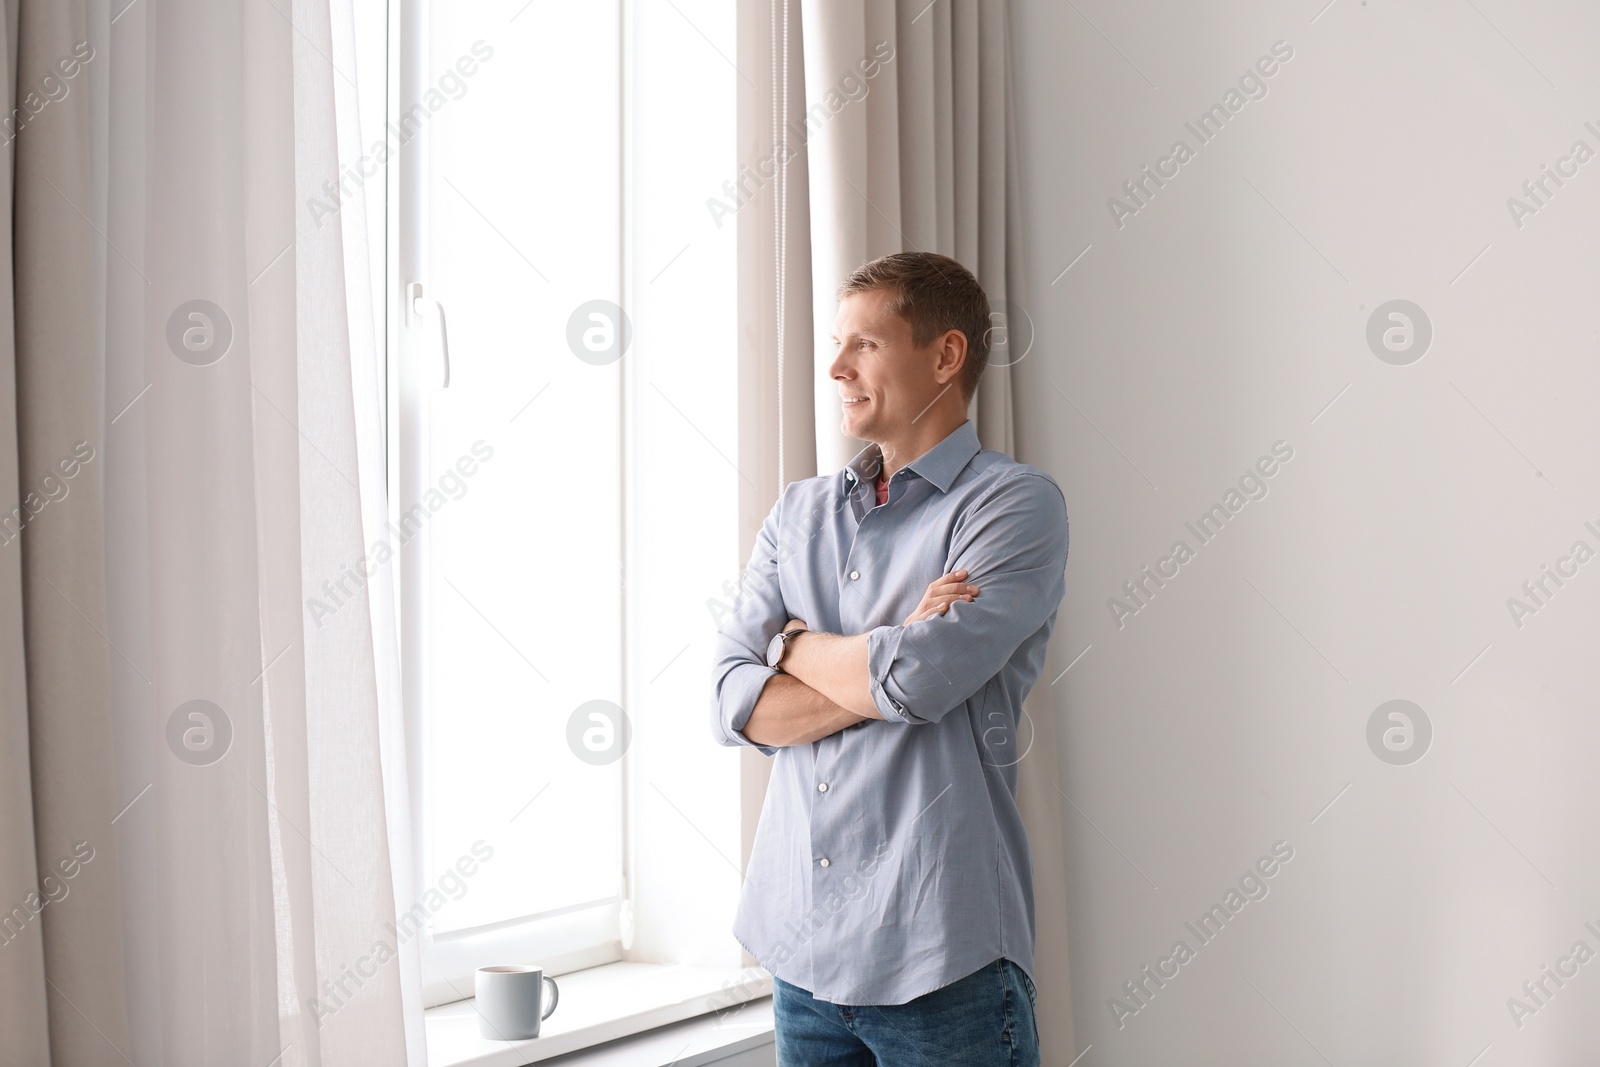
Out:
{"x": 583, "y": 935}
{"x": 578, "y": 937}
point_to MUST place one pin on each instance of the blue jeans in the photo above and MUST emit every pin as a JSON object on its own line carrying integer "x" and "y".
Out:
{"x": 982, "y": 1020}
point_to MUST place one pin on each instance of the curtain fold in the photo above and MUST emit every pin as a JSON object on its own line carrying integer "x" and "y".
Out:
{"x": 190, "y": 427}
{"x": 867, "y": 129}
{"x": 907, "y": 141}
{"x": 23, "y": 1005}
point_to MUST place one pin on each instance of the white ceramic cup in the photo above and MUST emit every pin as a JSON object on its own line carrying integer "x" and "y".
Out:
{"x": 508, "y": 1001}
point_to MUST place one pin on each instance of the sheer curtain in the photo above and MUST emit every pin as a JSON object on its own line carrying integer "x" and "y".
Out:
{"x": 866, "y": 129}
{"x": 200, "y": 840}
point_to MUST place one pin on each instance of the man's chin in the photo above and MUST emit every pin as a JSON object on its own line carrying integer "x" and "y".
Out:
{"x": 852, "y": 425}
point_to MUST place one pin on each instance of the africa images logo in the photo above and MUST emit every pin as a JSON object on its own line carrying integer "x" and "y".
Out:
{"x": 1252, "y": 85}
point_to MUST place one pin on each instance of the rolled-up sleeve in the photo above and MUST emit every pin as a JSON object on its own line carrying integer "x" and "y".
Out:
{"x": 739, "y": 669}
{"x": 1013, "y": 545}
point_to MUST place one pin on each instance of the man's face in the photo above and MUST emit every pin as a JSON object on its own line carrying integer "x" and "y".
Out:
{"x": 885, "y": 382}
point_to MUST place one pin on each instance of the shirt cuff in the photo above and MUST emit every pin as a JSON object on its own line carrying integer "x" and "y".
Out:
{"x": 741, "y": 688}
{"x": 883, "y": 648}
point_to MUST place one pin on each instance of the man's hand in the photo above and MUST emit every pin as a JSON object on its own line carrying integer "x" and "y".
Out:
{"x": 835, "y": 666}
{"x": 941, "y": 594}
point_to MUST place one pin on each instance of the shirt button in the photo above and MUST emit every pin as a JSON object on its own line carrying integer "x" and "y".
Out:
{"x": 822, "y": 787}
{"x": 854, "y": 575}
{"x": 824, "y": 861}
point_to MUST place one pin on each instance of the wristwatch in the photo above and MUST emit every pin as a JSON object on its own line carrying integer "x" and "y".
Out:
{"x": 780, "y": 641}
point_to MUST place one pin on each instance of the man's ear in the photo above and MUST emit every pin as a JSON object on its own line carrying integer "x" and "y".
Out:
{"x": 952, "y": 356}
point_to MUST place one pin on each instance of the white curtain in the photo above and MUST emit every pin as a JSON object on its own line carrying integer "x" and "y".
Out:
{"x": 868, "y": 129}
{"x": 200, "y": 847}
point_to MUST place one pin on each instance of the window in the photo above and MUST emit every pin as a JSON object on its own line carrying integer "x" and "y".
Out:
{"x": 563, "y": 497}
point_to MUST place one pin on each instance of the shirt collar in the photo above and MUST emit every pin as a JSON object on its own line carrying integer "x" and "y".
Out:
{"x": 939, "y": 464}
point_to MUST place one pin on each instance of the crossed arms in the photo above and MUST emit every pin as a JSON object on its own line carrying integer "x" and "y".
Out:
{"x": 1011, "y": 540}
{"x": 826, "y": 685}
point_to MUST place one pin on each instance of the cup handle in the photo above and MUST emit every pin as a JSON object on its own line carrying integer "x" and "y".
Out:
{"x": 555, "y": 998}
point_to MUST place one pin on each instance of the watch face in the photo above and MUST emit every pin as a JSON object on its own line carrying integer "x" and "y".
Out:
{"x": 774, "y": 650}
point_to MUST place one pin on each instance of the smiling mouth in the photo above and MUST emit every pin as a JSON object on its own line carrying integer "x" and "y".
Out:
{"x": 849, "y": 400}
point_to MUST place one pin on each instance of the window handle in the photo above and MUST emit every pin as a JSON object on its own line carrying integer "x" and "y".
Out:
{"x": 414, "y": 317}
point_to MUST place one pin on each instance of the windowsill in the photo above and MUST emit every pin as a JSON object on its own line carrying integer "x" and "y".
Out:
{"x": 613, "y": 1001}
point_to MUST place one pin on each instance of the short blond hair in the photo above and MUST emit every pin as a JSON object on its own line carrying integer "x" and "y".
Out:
{"x": 933, "y": 293}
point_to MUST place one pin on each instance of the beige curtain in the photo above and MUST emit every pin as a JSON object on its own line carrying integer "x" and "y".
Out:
{"x": 198, "y": 844}
{"x": 865, "y": 129}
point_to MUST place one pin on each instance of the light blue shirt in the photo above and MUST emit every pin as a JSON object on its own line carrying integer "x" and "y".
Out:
{"x": 890, "y": 859}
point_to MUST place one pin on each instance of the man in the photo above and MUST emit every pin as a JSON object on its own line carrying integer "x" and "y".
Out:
{"x": 893, "y": 616}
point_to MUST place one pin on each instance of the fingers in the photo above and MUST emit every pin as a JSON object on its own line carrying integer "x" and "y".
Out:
{"x": 942, "y": 592}
{"x": 925, "y": 613}
{"x": 954, "y": 582}
{"x": 937, "y": 605}
{"x": 953, "y": 578}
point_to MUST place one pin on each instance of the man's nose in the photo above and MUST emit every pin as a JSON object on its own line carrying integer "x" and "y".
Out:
{"x": 840, "y": 369}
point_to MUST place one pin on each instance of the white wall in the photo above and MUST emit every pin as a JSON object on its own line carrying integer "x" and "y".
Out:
{"x": 1228, "y": 314}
